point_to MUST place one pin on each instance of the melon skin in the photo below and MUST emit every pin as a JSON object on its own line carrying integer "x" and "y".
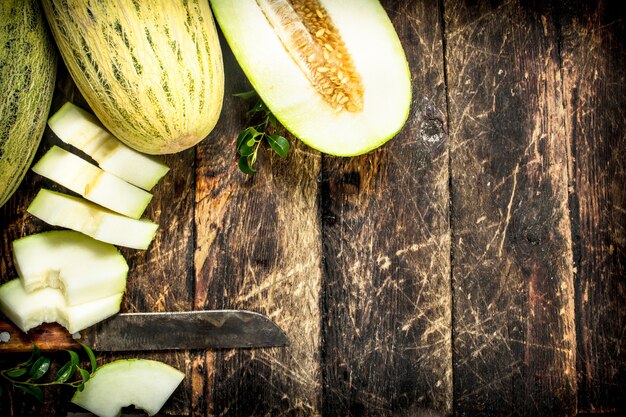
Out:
{"x": 152, "y": 72}
{"x": 377, "y": 56}
{"x": 28, "y": 64}
{"x": 146, "y": 384}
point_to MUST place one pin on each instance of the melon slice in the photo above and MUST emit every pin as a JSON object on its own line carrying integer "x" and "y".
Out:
{"x": 144, "y": 383}
{"x": 334, "y": 73}
{"x": 83, "y": 216}
{"x": 82, "y": 130}
{"x": 82, "y": 268}
{"x": 47, "y": 305}
{"x": 93, "y": 183}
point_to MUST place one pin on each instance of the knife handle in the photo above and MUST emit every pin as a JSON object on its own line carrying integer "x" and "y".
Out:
{"x": 47, "y": 337}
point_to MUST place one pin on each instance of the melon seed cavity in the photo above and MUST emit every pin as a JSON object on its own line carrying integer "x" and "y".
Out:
{"x": 314, "y": 43}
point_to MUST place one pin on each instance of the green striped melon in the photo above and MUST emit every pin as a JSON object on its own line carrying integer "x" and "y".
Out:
{"x": 151, "y": 71}
{"x": 27, "y": 74}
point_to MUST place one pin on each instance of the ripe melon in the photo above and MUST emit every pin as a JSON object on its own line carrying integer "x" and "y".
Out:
{"x": 47, "y": 305}
{"x": 27, "y": 74}
{"x": 96, "y": 185}
{"x": 146, "y": 384}
{"x": 78, "y": 214}
{"x": 333, "y": 72}
{"x": 151, "y": 71}
{"x": 82, "y": 268}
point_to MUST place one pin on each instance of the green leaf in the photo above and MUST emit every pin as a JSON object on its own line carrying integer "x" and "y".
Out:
{"x": 279, "y": 144}
{"x": 65, "y": 372}
{"x": 259, "y": 106}
{"x": 272, "y": 120}
{"x": 246, "y": 151}
{"x": 35, "y": 354}
{"x": 33, "y": 390}
{"x": 92, "y": 358}
{"x": 242, "y": 138}
{"x": 84, "y": 374}
{"x": 16, "y": 373}
{"x": 246, "y": 95}
{"x": 39, "y": 368}
{"x": 244, "y": 166}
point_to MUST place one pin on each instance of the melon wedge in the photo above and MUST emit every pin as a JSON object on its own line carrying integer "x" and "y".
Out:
{"x": 47, "y": 305}
{"x": 82, "y": 268}
{"x": 144, "y": 383}
{"x": 93, "y": 183}
{"x": 334, "y": 73}
{"x": 83, "y": 216}
{"x": 82, "y": 130}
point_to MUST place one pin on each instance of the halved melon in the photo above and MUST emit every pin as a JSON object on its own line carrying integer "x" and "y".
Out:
{"x": 334, "y": 73}
{"x": 93, "y": 183}
{"x": 47, "y": 305}
{"x": 144, "y": 383}
{"x": 82, "y": 268}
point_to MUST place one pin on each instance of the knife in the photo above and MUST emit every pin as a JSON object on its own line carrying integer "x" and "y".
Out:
{"x": 203, "y": 329}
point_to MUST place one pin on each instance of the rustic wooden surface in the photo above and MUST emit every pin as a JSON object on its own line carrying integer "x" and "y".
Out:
{"x": 473, "y": 266}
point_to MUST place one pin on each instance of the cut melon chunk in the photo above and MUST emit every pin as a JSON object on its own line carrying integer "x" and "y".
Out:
{"x": 334, "y": 73}
{"x": 47, "y": 305}
{"x": 82, "y": 268}
{"x": 83, "y": 216}
{"x": 82, "y": 130}
{"x": 144, "y": 383}
{"x": 93, "y": 183}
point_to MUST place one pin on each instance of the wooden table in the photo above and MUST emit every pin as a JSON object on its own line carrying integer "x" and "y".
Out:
{"x": 474, "y": 265}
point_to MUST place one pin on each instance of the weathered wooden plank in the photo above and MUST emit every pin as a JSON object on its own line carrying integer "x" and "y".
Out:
{"x": 387, "y": 301}
{"x": 514, "y": 332}
{"x": 594, "y": 78}
{"x": 258, "y": 248}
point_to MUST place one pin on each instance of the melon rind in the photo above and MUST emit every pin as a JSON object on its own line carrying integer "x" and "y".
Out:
{"x": 28, "y": 65}
{"x": 146, "y": 384}
{"x": 376, "y": 52}
{"x": 151, "y": 71}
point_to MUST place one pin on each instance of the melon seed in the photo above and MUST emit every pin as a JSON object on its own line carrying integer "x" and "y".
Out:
{"x": 314, "y": 43}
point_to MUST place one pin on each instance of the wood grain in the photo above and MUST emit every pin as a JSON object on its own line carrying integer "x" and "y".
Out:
{"x": 514, "y": 332}
{"x": 594, "y": 77}
{"x": 386, "y": 294}
{"x": 258, "y": 248}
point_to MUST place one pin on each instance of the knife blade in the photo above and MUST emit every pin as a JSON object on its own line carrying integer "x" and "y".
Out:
{"x": 203, "y": 329}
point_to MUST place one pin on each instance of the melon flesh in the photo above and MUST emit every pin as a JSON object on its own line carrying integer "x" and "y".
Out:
{"x": 47, "y": 305}
{"x": 82, "y": 130}
{"x": 82, "y": 268}
{"x": 338, "y": 80}
{"x": 83, "y": 216}
{"x": 144, "y": 383}
{"x": 93, "y": 183}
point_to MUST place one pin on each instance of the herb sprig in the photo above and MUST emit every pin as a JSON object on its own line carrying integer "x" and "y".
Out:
{"x": 263, "y": 128}
{"x": 28, "y": 376}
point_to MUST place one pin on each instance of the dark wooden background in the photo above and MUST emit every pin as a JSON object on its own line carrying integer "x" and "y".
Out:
{"x": 473, "y": 266}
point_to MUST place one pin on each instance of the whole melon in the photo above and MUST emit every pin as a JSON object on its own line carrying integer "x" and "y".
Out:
{"x": 28, "y": 65}
{"x": 151, "y": 71}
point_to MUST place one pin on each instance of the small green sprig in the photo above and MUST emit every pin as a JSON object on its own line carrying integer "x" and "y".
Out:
{"x": 28, "y": 376}
{"x": 263, "y": 128}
